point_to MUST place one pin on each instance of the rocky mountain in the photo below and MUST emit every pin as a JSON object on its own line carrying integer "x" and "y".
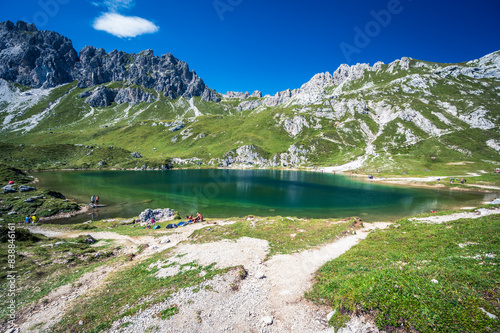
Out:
{"x": 39, "y": 59}
{"x": 45, "y": 59}
{"x": 409, "y": 114}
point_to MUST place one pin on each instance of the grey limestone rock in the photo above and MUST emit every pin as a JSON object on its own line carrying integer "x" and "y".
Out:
{"x": 165, "y": 74}
{"x": 136, "y": 154}
{"x": 101, "y": 97}
{"x": 9, "y": 189}
{"x": 40, "y": 59}
{"x": 159, "y": 215}
{"x": 133, "y": 96}
{"x": 24, "y": 188}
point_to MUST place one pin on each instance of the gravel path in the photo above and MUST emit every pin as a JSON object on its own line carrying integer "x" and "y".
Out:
{"x": 466, "y": 215}
{"x": 273, "y": 290}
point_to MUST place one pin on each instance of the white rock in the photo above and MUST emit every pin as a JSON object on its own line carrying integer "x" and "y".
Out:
{"x": 164, "y": 241}
{"x": 268, "y": 320}
{"x": 330, "y": 315}
{"x": 491, "y": 315}
{"x": 260, "y": 275}
{"x": 434, "y": 281}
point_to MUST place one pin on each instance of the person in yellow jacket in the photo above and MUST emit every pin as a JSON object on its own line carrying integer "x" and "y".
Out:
{"x": 34, "y": 218}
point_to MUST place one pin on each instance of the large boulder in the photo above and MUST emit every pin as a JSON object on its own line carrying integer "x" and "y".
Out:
{"x": 160, "y": 215}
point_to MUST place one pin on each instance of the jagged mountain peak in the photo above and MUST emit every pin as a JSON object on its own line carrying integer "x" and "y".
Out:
{"x": 47, "y": 59}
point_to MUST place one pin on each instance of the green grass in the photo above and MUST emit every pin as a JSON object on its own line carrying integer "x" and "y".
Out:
{"x": 390, "y": 275}
{"x": 43, "y": 266}
{"x": 44, "y": 203}
{"x": 9, "y": 173}
{"x": 167, "y": 313}
{"x": 284, "y": 234}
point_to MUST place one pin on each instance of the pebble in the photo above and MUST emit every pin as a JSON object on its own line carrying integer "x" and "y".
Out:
{"x": 164, "y": 241}
{"x": 80, "y": 323}
{"x": 434, "y": 281}
{"x": 260, "y": 275}
{"x": 268, "y": 320}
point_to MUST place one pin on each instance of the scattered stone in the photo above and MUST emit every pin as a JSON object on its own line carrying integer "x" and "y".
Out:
{"x": 13, "y": 330}
{"x": 434, "y": 281}
{"x": 177, "y": 128}
{"x": 491, "y": 315}
{"x": 24, "y": 188}
{"x": 136, "y": 154}
{"x": 260, "y": 275}
{"x": 89, "y": 240}
{"x": 268, "y": 320}
{"x": 164, "y": 241}
{"x": 80, "y": 323}
{"x": 9, "y": 189}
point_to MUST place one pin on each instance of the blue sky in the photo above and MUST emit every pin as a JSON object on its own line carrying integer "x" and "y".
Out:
{"x": 247, "y": 45}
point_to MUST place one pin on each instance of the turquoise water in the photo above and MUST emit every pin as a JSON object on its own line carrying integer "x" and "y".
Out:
{"x": 226, "y": 193}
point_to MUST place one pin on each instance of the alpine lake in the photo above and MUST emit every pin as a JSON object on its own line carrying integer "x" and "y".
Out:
{"x": 224, "y": 193}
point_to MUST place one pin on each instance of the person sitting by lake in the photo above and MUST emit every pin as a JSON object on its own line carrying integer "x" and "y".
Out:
{"x": 199, "y": 217}
{"x": 92, "y": 199}
{"x": 97, "y": 200}
{"x": 34, "y": 218}
{"x": 27, "y": 219}
{"x": 190, "y": 218}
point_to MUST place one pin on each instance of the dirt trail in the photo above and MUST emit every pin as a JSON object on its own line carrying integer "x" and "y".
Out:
{"x": 273, "y": 288}
{"x": 465, "y": 215}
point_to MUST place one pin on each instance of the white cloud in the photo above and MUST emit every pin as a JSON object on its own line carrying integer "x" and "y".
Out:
{"x": 124, "y": 26}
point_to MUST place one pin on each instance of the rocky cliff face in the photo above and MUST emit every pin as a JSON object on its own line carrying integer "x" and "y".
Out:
{"x": 165, "y": 74}
{"x": 103, "y": 96}
{"x": 40, "y": 59}
{"x": 46, "y": 59}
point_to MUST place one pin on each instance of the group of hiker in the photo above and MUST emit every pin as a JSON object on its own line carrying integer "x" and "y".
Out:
{"x": 462, "y": 181}
{"x": 31, "y": 219}
{"x": 198, "y": 218}
{"x": 94, "y": 200}
{"x": 190, "y": 219}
